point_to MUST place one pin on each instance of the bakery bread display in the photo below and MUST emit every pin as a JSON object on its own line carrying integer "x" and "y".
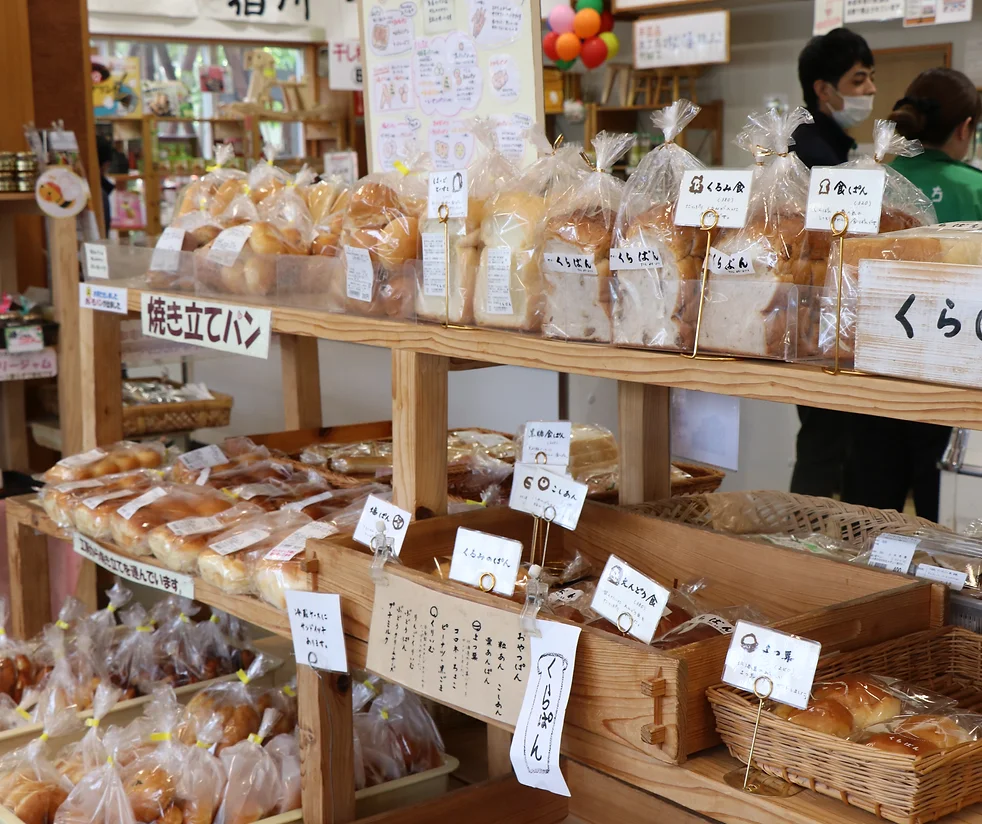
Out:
{"x": 234, "y": 453}
{"x": 92, "y": 512}
{"x": 574, "y": 246}
{"x": 656, "y": 277}
{"x": 178, "y": 543}
{"x": 108, "y": 460}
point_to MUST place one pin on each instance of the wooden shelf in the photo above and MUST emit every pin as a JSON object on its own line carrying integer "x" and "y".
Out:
{"x": 804, "y": 384}
{"x": 19, "y": 202}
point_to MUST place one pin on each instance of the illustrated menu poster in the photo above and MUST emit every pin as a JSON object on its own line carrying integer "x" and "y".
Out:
{"x": 116, "y": 86}
{"x": 865, "y": 11}
{"x": 450, "y": 649}
{"x": 431, "y": 66}
{"x": 682, "y": 40}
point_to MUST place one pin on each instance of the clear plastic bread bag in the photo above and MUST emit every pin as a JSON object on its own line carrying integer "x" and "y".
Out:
{"x": 365, "y": 688}
{"x": 419, "y": 739}
{"x": 210, "y": 194}
{"x": 132, "y": 664}
{"x": 99, "y": 796}
{"x": 266, "y": 178}
{"x": 381, "y": 754}
{"x": 905, "y": 206}
{"x": 457, "y": 241}
{"x": 379, "y": 241}
{"x": 285, "y": 751}
{"x": 574, "y": 247}
{"x": 92, "y": 511}
{"x": 201, "y": 784}
{"x": 102, "y": 623}
{"x": 283, "y": 699}
{"x": 17, "y": 669}
{"x": 78, "y": 758}
{"x": 327, "y": 200}
{"x": 237, "y": 452}
{"x": 656, "y": 273}
{"x": 178, "y": 544}
{"x": 253, "y": 788}
{"x": 175, "y": 643}
{"x": 107, "y": 460}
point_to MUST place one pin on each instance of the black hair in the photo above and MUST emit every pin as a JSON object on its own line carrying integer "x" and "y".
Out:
{"x": 935, "y": 104}
{"x": 828, "y": 57}
{"x": 104, "y": 148}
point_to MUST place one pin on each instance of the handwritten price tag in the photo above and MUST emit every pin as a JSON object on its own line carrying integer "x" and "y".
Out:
{"x": 448, "y": 188}
{"x": 632, "y": 601}
{"x": 167, "y": 252}
{"x": 857, "y": 192}
{"x": 486, "y": 561}
{"x": 542, "y": 493}
{"x": 379, "y": 514}
{"x": 547, "y": 442}
{"x": 725, "y": 191}
{"x": 315, "y": 623}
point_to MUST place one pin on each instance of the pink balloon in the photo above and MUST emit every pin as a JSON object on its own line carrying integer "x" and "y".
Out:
{"x": 561, "y": 19}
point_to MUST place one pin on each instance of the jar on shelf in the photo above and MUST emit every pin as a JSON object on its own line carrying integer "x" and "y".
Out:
{"x": 27, "y": 162}
{"x": 8, "y": 162}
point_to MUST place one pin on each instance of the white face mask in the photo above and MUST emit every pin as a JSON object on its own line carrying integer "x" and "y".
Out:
{"x": 855, "y": 109}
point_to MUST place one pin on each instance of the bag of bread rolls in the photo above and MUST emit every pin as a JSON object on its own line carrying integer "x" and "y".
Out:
{"x": 253, "y": 788}
{"x": 381, "y": 754}
{"x": 92, "y": 511}
{"x": 236, "y": 452}
{"x": 78, "y": 758}
{"x": 209, "y": 194}
{"x": 17, "y": 669}
{"x": 178, "y": 544}
{"x": 285, "y": 751}
{"x": 653, "y": 291}
{"x": 459, "y": 241}
{"x": 327, "y": 504}
{"x": 905, "y": 207}
{"x": 201, "y": 782}
{"x": 176, "y": 654}
{"x": 508, "y": 289}
{"x": 101, "y": 624}
{"x": 327, "y": 200}
{"x": 107, "y": 460}
{"x": 132, "y": 522}
{"x": 419, "y": 740}
{"x": 574, "y": 247}
{"x": 133, "y": 663}
{"x": 266, "y": 178}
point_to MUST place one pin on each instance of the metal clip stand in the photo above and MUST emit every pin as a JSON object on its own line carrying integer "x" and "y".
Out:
{"x": 382, "y": 547}
{"x": 443, "y": 213}
{"x": 535, "y": 588}
{"x": 840, "y": 235}
{"x": 708, "y": 229}
{"x": 751, "y": 780}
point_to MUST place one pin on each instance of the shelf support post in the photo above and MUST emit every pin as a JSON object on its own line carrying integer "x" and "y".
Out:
{"x": 27, "y": 561}
{"x": 101, "y": 383}
{"x": 644, "y": 420}
{"x": 301, "y": 382}
{"x": 63, "y": 245}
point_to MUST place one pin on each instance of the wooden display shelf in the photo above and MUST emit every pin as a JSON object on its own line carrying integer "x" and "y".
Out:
{"x": 802, "y": 384}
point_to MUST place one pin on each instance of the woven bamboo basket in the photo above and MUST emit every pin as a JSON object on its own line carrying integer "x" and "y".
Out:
{"x": 155, "y": 418}
{"x": 898, "y": 788}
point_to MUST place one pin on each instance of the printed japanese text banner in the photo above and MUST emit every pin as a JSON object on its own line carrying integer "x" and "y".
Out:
{"x": 241, "y": 330}
{"x": 269, "y": 12}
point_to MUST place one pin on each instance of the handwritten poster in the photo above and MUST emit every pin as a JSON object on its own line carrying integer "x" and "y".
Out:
{"x": 396, "y": 141}
{"x": 682, "y": 40}
{"x": 509, "y": 135}
{"x": 864, "y": 11}
{"x": 438, "y": 16}
{"x": 495, "y": 22}
{"x": 393, "y": 85}
{"x": 451, "y": 144}
{"x": 448, "y": 78}
{"x": 390, "y": 32}
{"x": 506, "y": 81}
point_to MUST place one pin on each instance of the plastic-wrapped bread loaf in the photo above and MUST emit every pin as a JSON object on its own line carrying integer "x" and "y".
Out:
{"x": 92, "y": 510}
{"x": 107, "y": 460}
{"x": 178, "y": 543}
{"x": 655, "y": 302}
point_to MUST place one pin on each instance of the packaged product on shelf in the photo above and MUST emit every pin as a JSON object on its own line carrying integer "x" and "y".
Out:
{"x": 150, "y": 780}
{"x": 655, "y": 286}
{"x": 327, "y": 200}
{"x": 283, "y": 699}
{"x": 107, "y": 460}
{"x": 718, "y": 621}
{"x": 234, "y": 452}
{"x": 133, "y": 663}
{"x": 265, "y": 178}
{"x": 508, "y": 291}
{"x": 17, "y": 670}
{"x": 381, "y": 755}
{"x": 284, "y": 749}
{"x": 101, "y": 624}
{"x": 253, "y": 788}
{"x": 593, "y": 456}
{"x": 212, "y": 192}
{"x": 419, "y": 739}
{"x": 99, "y": 797}
{"x": 450, "y": 252}
{"x": 575, "y": 245}
{"x": 379, "y": 240}
{"x": 178, "y": 544}
{"x": 201, "y": 783}
{"x": 79, "y": 758}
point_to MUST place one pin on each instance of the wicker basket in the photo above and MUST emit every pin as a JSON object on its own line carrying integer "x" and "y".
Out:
{"x": 154, "y": 418}
{"x": 703, "y": 479}
{"x": 898, "y": 788}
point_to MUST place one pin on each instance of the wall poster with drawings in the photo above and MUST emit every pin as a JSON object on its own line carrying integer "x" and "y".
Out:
{"x": 432, "y": 65}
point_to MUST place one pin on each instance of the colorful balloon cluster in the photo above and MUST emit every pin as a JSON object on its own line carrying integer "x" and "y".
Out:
{"x": 585, "y": 33}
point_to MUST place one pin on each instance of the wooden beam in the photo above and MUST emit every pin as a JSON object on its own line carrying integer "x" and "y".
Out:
{"x": 301, "y": 382}
{"x": 326, "y": 746}
{"x": 13, "y": 422}
{"x": 27, "y": 561}
{"x": 419, "y": 429}
{"x": 644, "y": 417}
{"x": 63, "y": 250}
{"x": 101, "y": 385}
{"x": 499, "y": 751}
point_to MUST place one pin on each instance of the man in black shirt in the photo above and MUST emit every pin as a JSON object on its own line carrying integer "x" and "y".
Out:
{"x": 836, "y": 74}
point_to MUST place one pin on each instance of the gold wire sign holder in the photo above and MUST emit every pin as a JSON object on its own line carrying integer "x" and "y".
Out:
{"x": 535, "y": 587}
{"x": 839, "y": 226}
{"x": 443, "y": 214}
{"x": 707, "y": 227}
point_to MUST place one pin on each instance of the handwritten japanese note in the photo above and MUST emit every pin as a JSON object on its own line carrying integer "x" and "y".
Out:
{"x": 468, "y": 655}
{"x": 539, "y": 730}
{"x": 449, "y": 188}
{"x": 96, "y": 260}
{"x": 486, "y": 561}
{"x": 724, "y": 191}
{"x": 545, "y": 494}
{"x": 315, "y": 624}
{"x": 385, "y": 515}
{"x": 630, "y": 600}
{"x": 167, "y": 253}
{"x": 682, "y": 40}
{"x": 547, "y": 442}
{"x": 857, "y": 192}
{"x": 133, "y": 570}
{"x": 781, "y": 666}
{"x": 241, "y": 330}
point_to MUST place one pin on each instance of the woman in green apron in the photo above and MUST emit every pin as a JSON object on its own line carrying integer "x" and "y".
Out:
{"x": 893, "y": 459}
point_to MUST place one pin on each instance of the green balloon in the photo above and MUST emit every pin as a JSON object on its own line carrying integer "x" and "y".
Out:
{"x": 564, "y": 65}
{"x": 596, "y": 5}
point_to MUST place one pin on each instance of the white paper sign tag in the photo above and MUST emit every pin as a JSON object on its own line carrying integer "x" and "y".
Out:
{"x": 547, "y": 442}
{"x": 893, "y": 552}
{"x": 635, "y": 257}
{"x": 24, "y": 339}
{"x": 296, "y": 542}
{"x": 781, "y": 666}
{"x": 195, "y": 526}
{"x": 721, "y": 263}
{"x": 954, "y": 578}
{"x": 725, "y": 191}
{"x": 386, "y": 515}
{"x": 359, "y": 274}
{"x": 241, "y": 330}
{"x": 203, "y": 458}
{"x": 130, "y": 509}
{"x": 857, "y": 192}
{"x": 28, "y": 365}
{"x": 203, "y": 476}
{"x": 718, "y": 623}
{"x": 103, "y": 298}
{"x": 240, "y": 541}
{"x": 434, "y": 264}
{"x": 448, "y": 188}
{"x": 83, "y": 458}
{"x": 486, "y": 561}
{"x": 167, "y": 253}
{"x": 545, "y": 494}
{"x": 298, "y": 506}
{"x": 175, "y": 583}
{"x": 499, "y": 280}
{"x": 228, "y": 245}
{"x": 539, "y": 729}
{"x": 318, "y": 636}
{"x": 96, "y": 261}
{"x": 249, "y": 491}
{"x": 567, "y": 264}
{"x": 98, "y": 500}
{"x": 630, "y": 600}
{"x": 72, "y": 486}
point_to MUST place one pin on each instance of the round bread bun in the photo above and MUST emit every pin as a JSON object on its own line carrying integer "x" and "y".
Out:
{"x": 900, "y": 744}
{"x": 148, "y": 458}
{"x": 266, "y": 239}
{"x": 320, "y": 199}
{"x": 825, "y": 716}
{"x": 325, "y": 244}
{"x": 225, "y": 194}
{"x": 340, "y": 205}
{"x": 373, "y": 204}
{"x": 939, "y": 730}
{"x": 868, "y": 703}
{"x": 590, "y": 232}
{"x": 202, "y": 235}
{"x": 398, "y": 242}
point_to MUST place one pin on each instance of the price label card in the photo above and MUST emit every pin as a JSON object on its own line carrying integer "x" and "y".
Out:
{"x": 489, "y": 562}
{"x": 195, "y": 526}
{"x": 725, "y": 191}
{"x": 240, "y": 541}
{"x": 499, "y": 280}
{"x": 71, "y": 486}
{"x": 315, "y": 623}
{"x": 24, "y": 339}
{"x": 635, "y": 257}
{"x": 227, "y": 247}
{"x": 167, "y": 252}
{"x": 343, "y": 165}
{"x": 203, "y": 458}
{"x": 83, "y": 458}
{"x": 542, "y": 493}
{"x": 893, "y": 552}
{"x": 128, "y": 510}
{"x": 952, "y": 577}
{"x": 359, "y": 274}
{"x": 740, "y": 263}
{"x": 547, "y": 442}
{"x": 630, "y": 600}
{"x": 857, "y": 192}
{"x": 539, "y": 729}
{"x": 298, "y": 506}
{"x": 581, "y": 264}
{"x": 448, "y": 188}
{"x": 434, "y": 264}
{"x": 62, "y": 141}
{"x": 98, "y": 500}
{"x": 382, "y": 515}
{"x": 781, "y": 666}
{"x": 296, "y": 542}
{"x": 103, "y": 298}
{"x": 175, "y": 583}
{"x": 96, "y": 261}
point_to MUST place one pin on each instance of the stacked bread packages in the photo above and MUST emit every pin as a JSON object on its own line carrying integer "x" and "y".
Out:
{"x": 574, "y": 247}
{"x": 486, "y": 172}
{"x": 509, "y": 291}
{"x": 904, "y": 207}
{"x": 655, "y": 288}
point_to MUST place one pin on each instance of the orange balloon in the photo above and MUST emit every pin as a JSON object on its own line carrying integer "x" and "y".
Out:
{"x": 568, "y": 46}
{"x": 586, "y": 23}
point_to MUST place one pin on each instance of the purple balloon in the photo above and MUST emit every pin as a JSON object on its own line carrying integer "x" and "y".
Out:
{"x": 561, "y": 19}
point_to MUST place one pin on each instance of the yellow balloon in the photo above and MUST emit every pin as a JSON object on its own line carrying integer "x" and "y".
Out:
{"x": 613, "y": 44}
